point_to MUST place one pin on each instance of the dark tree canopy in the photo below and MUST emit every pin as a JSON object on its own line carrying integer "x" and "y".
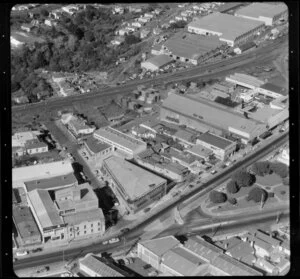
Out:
{"x": 243, "y": 178}
{"x": 280, "y": 169}
{"x": 217, "y": 197}
{"x": 232, "y": 187}
{"x": 257, "y": 195}
{"x": 261, "y": 168}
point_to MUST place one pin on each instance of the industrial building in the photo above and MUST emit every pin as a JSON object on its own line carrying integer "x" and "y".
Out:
{"x": 156, "y": 62}
{"x": 221, "y": 147}
{"x": 40, "y": 171}
{"x": 230, "y": 29}
{"x": 245, "y": 80}
{"x": 96, "y": 148}
{"x": 195, "y": 257}
{"x": 120, "y": 141}
{"x": 134, "y": 187}
{"x": 263, "y": 12}
{"x": 203, "y": 116}
{"x": 26, "y": 227}
{"x": 245, "y": 47}
{"x": 272, "y": 90}
{"x": 192, "y": 48}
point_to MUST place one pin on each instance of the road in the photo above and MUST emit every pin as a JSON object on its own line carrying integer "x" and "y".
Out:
{"x": 202, "y": 228}
{"x": 158, "y": 212}
{"x": 259, "y": 56}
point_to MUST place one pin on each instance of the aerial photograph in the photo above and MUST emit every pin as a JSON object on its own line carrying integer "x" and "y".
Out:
{"x": 150, "y": 139}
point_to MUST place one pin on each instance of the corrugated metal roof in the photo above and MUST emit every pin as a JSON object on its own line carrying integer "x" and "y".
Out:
{"x": 247, "y": 79}
{"x": 160, "y": 60}
{"x": 229, "y": 26}
{"x": 262, "y": 9}
{"x": 215, "y": 140}
{"x": 210, "y": 114}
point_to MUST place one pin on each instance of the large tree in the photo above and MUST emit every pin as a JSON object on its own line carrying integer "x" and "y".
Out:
{"x": 217, "y": 197}
{"x": 257, "y": 195}
{"x": 232, "y": 187}
{"x": 261, "y": 168}
{"x": 280, "y": 169}
{"x": 243, "y": 178}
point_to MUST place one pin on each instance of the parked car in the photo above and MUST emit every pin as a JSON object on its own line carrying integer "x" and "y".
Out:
{"x": 22, "y": 253}
{"x": 147, "y": 209}
{"x": 114, "y": 240}
{"x": 213, "y": 172}
{"x": 125, "y": 230}
{"x": 37, "y": 250}
{"x": 105, "y": 242}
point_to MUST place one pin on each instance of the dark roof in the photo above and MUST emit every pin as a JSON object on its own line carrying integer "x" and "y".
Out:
{"x": 247, "y": 46}
{"x": 215, "y": 140}
{"x": 229, "y": 6}
{"x": 95, "y": 145}
{"x": 49, "y": 183}
{"x": 274, "y": 88}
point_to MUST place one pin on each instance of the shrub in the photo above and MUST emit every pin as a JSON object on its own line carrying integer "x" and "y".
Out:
{"x": 217, "y": 197}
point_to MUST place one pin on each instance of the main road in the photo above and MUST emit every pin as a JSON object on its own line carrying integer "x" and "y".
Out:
{"x": 263, "y": 54}
{"x": 156, "y": 213}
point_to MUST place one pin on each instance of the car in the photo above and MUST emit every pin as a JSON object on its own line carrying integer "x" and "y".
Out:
{"x": 125, "y": 230}
{"x": 105, "y": 242}
{"x": 114, "y": 240}
{"x": 22, "y": 253}
{"x": 147, "y": 209}
{"x": 37, "y": 250}
{"x": 213, "y": 172}
{"x": 191, "y": 186}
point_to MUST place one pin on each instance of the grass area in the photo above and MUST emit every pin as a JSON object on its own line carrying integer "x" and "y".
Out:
{"x": 282, "y": 192}
{"x": 269, "y": 180}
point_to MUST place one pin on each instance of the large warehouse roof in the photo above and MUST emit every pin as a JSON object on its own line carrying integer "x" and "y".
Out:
{"x": 262, "y": 9}
{"x": 134, "y": 180}
{"x": 192, "y": 46}
{"x": 120, "y": 138}
{"x": 215, "y": 140}
{"x": 210, "y": 113}
{"x": 229, "y": 26}
{"x": 243, "y": 78}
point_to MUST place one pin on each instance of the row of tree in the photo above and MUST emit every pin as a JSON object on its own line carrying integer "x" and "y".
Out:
{"x": 265, "y": 168}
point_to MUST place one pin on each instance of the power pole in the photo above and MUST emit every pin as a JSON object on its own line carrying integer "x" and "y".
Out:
{"x": 261, "y": 201}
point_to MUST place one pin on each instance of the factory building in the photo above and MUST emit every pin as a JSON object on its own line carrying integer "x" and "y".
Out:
{"x": 156, "y": 62}
{"x": 120, "y": 141}
{"x": 207, "y": 116}
{"x": 272, "y": 90}
{"x": 192, "y": 48}
{"x": 134, "y": 186}
{"x": 221, "y": 147}
{"x": 230, "y": 29}
{"x": 244, "y": 80}
{"x": 263, "y": 12}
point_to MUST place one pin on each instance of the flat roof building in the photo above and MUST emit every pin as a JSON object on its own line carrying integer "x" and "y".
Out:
{"x": 200, "y": 151}
{"x": 120, "y": 141}
{"x": 52, "y": 183}
{"x": 26, "y": 226}
{"x": 200, "y": 114}
{"x": 134, "y": 185}
{"x": 230, "y": 29}
{"x": 40, "y": 171}
{"x": 96, "y": 148}
{"x": 245, "y": 80}
{"x": 263, "y": 12}
{"x": 156, "y": 62}
{"x": 272, "y": 90}
{"x": 192, "y": 48}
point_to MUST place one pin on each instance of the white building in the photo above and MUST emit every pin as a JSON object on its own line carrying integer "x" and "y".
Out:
{"x": 156, "y": 62}
{"x": 120, "y": 141}
{"x": 284, "y": 157}
{"x": 263, "y": 12}
{"x": 245, "y": 81}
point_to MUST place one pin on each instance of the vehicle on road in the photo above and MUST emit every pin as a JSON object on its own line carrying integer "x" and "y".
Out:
{"x": 191, "y": 186}
{"x": 213, "y": 172}
{"x": 22, "y": 253}
{"x": 125, "y": 230}
{"x": 114, "y": 240}
{"x": 37, "y": 250}
{"x": 147, "y": 209}
{"x": 105, "y": 242}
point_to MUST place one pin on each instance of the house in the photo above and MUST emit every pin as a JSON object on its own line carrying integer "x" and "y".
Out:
{"x": 76, "y": 126}
{"x": 149, "y": 15}
{"x": 136, "y": 24}
{"x": 50, "y": 22}
{"x": 70, "y": 9}
{"x": 156, "y": 31}
{"x": 27, "y": 27}
{"x": 265, "y": 265}
{"x": 18, "y": 151}
{"x": 118, "y": 10}
{"x": 35, "y": 146}
{"x": 96, "y": 148}
{"x": 144, "y": 19}
{"x": 117, "y": 41}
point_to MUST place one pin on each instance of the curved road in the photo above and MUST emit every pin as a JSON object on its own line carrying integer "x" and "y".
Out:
{"x": 259, "y": 56}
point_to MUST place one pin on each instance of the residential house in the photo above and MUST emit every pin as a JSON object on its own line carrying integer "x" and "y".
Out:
{"x": 36, "y": 146}
{"x": 27, "y": 27}
{"x": 136, "y": 24}
{"x": 19, "y": 97}
{"x": 144, "y": 33}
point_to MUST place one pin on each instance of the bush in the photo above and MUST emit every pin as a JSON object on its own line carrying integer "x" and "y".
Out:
{"x": 232, "y": 187}
{"x": 243, "y": 178}
{"x": 217, "y": 197}
{"x": 257, "y": 195}
{"x": 232, "y": 200}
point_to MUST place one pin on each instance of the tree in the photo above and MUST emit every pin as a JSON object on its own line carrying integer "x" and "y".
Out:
{"x": 217, "y": 197}
{"x": 232, "y": 187}
{"x": 178, "y": 24}
{"x": 261, "y": 168}
{"x": 44, "y": 13}
{"x": 286, "y": 181}
{"x": 131, "y": 39}
{"x": 232, "y": 200}
{"x": 243, "y": 178}
{"x": 280, "y": 169}
{"x": 257, "y": 195}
